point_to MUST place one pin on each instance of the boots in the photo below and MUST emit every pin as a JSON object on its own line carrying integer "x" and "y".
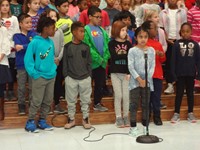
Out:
{"x": 1, "y": 108}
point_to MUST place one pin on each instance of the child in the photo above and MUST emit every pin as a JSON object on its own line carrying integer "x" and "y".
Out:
{"x": 185, "y": 67}
{"x": 77, "y": 72}
{"x": 58, "y": 40}
{"x": 148, "y": 5}
{"x": 117, "y": 5}
{"x": 105, "y": 22}
{"x": 15, "y": 7}
{"x": 43, "y": 6}
{"x": 5, "y": 75}
{"x": 137, "y": 84}
{"x": 171, "y": 25}
{"x": 31, "y": 7}
{"x": 82, "y": 5}
{"x": 21, "y": 41}
{"x": 12, "y": 25}
{"x": 52, "y": 5}
{"x": 158, "y": 73}
{"x": 73, "y": 8}
{"x": 64, "y": 22}
{"x": 111, "y": 10}
{"x": 134, "y": 9}
{"x": 40, "y": 65}
{"x": 97, "y": 39}
{"x": 119, "y": 48}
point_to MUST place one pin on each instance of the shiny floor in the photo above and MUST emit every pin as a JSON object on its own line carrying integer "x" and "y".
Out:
{"x": 180, "y": 136}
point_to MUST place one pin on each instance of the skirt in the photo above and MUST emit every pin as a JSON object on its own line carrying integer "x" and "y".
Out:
{"x": 5, "y": 75}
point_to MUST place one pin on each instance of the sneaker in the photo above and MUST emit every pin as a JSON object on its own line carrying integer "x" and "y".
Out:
{"x": 162, "y": 105}
{"x": 175, "y": 118}
{"x": 133, "y": 131}
{"x": 191, "y": 118}
{"x": 86, "y": 123}
{"x": 11, "y": 95}
{"x": 70, "y": 124}
{"x": 144, "y": 130}
{"x": 170, "y": 89}
{"x": 42, "y": 124}
{"x": 119, "y": 122}
{"x": 126, "y": 122}
{"x": 100, "y": 107}
{"x": 31, "y": 127}
{"x": 21, "y": 109}
{"x": 157, "y": 121}
{"x": 58, "y": 109}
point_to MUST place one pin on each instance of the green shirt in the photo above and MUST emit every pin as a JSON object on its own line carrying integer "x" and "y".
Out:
{"x": 16, "y": 9}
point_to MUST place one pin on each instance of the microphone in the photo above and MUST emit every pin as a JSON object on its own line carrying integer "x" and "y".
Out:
{"x": 145, "y": 54}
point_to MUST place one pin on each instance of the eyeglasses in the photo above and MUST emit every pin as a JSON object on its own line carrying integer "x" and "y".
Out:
{"x": 98, "y": 17}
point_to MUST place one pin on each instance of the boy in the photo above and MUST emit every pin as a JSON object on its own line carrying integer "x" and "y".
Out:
{"x": 21, "y": 41}
{"x": 97, "y": 39}
{"x": 82, "y": 5}
{"x": 77, "y": 72}
{"x": 40, "y": 65}
{"x": 64, "y": 22}
{"x": 43, "y": 6}
{"x": 171, "y": 20}
{"x": 105, "y": 22}
{"x": 15, "y": 7}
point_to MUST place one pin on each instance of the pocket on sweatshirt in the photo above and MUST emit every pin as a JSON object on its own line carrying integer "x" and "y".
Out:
{"x": 84, "y": 53}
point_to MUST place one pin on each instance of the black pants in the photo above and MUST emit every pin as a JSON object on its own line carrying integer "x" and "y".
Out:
{"x": 99, "y": 77}
{"x": 58, "y": 89}
{"x": 1, "y": 90}
{"x": 155, "y": 97}
{"x": 181, "y": 84}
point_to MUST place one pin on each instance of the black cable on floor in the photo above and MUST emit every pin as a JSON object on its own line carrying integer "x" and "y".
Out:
{"x": 97, "y": 140}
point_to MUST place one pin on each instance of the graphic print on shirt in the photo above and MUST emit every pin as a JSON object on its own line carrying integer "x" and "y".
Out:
{"x": 186, "y": 49}
{"x": 121, "y": 49}
{"x": 95, "y": 33}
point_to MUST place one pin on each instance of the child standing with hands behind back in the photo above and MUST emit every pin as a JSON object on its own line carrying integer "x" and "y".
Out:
{"x": 119, "y": 48}
{"x": 136, "y": 65}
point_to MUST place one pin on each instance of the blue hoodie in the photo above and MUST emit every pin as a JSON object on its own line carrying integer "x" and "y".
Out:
{"x": 21, "y": 39}
{"x": 39, "y": 58}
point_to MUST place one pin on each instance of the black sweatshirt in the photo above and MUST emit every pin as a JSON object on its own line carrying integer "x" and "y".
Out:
{"x": 185, "y": 60}
{"x": 77, "y": 61}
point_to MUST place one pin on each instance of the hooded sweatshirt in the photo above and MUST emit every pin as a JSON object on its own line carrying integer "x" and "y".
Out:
{"x": 39, "y": 58}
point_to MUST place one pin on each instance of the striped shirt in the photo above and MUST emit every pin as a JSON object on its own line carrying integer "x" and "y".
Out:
{"x": 193, "y": 17}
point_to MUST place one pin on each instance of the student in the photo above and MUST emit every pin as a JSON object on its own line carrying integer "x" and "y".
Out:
{"x": 64, "y": 22}
{"x": 31, "y": 7}
{"x": 185, "y": 67}
{"x": 15, "y": 7}
{"x": 77, "y": 72}
{"x": 171, "y": 25}
{"x": 158, "y": 72}
{"x": 21, "y": 41}
{"x": 40, "y": 65}
{"x": 11, "y": 23}
{"x": 58, "y": 40}
{"x": 43, "y": 6}
{"x": 120, "y": 76}
{"x": 5, "y": 75}
{"x": 97, "y": 39}
{"x": 137, "y": 84}
{"x": 82, "y": 5}
{"x": 73, "y": 8}
{"x": 52, "y": 5}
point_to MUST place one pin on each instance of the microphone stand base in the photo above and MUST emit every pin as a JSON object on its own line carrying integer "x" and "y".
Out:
{"x": 148, "y": 139}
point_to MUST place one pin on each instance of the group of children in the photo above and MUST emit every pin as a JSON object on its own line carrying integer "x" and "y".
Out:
{"x": 45, "y": 46}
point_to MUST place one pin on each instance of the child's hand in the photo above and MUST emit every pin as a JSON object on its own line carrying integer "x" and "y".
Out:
{"x": 159, "y": 53}
{"x": 142, "y": 83}
{"x": 56, "y": 60}
{"x": 127, "y": 77}
{"x": 170, "y": 41}
{"x": 18, "y": 47}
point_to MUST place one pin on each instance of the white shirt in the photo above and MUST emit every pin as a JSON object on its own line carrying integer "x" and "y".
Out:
{"x": 172, "y": 24}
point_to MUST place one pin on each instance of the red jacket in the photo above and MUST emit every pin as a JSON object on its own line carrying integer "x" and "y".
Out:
{"x": 158, "y": 73}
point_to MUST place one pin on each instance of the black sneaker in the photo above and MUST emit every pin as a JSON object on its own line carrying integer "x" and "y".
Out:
{"x": 157, "y": 121}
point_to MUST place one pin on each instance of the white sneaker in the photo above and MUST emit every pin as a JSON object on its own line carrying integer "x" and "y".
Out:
{"x": 169, "y": 89}
{"x": 133, "y": 131}
{"x": 175, "y": 118}
{"x": 191, "y": 118}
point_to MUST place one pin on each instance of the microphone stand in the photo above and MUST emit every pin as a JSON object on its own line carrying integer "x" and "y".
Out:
{"x": 147, "y": 139}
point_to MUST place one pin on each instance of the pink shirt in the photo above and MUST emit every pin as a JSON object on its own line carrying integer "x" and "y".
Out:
{"x": 73, "y": 10}
{"x": 85, "y": 20}
{"x": 193, "y": 17}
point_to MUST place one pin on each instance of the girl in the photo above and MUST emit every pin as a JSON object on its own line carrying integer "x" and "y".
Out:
{"x": 15, "y": 7}
{"x": 185, "y": 68}
{"x": 40, "y": 65}
{"x": 12, "y": 25}
{"x": 136, "y": 66}
{"x": 158, "y": 73}
{"x": 5, "y": 75}
{"x": 31, "y": 7}
{"x": 58, "y": 40}
{"x": 135, "y": 9}
{"x": 119, "y": 48}
{"x": 73, "y": 8}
